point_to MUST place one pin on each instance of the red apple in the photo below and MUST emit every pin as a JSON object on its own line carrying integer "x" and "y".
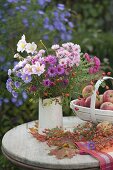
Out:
{"x": 99, "y": 100}
{"x": 80, "y": 102}
{"x": 106, "y": 106}
{"x": 108, "y": 96}
{"x": 87, "y": 91}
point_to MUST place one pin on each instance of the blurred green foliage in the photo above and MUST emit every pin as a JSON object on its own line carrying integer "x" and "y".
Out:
{"x": 89, "y": 23}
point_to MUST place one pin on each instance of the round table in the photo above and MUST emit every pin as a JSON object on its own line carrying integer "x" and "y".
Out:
{"x": 21, "y": 148}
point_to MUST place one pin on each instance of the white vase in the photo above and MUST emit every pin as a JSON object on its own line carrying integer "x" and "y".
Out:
{"x": 50, "y": 114}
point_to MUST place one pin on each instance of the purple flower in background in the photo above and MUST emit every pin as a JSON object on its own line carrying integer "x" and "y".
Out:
{"x": 45, "y": 37}
{"x": 15, "y": 94}
{"x": 91, "y": 145}
{"x": 25, "y": 22}
{"x": 17, "y": 84}
{"x": 24, "y": 95}
{"x": 42, "y": 2}
{"x": 26, "y": 78}
{"x": 52, "y": 71}
{"x": 46, "y": 82}
{"x": 6, "y": 100}
{"x": 2, "y": 59}
{"x": 40, "y": 12}
{"x": 12, "y": 1}
{"x": 61, "y": 6}
{"x": 60, "y": 70}
{"x": 13, "y": 100}
{"x": 51, "y": 59}
{"x": 1, "y": 101}
{"x": 19, "y": 102}
{"x": 71, "y": 25}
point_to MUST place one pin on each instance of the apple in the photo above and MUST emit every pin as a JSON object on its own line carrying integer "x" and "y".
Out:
{"x": 108, "y": 96}
{"x": 106, "y": 106}
{"x": 80, "y": 102}
{"x": 99, "y": 101}
{"x": 87, "y": 91}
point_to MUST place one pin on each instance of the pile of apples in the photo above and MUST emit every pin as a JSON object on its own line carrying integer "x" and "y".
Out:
{"x": 103, "y": 101}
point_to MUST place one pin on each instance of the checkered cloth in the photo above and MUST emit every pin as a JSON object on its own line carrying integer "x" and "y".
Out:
{"x": 105, "y": 160}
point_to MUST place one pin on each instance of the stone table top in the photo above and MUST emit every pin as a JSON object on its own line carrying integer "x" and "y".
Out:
{"x": 20, "y": 146}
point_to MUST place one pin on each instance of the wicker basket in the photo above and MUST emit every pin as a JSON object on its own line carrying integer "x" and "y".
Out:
{"x": 92, "y": 114}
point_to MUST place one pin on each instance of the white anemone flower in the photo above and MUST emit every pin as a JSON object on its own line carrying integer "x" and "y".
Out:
{"x": 21, "y": 44}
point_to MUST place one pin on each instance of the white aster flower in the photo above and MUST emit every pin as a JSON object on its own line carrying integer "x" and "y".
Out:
{"x": 38, "y": 69}
{"x": 55, "y": 47}
{"x": 21, "y": 44}
{"x": 31, "y": 47}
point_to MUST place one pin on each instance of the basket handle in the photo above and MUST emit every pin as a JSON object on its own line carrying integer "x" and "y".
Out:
{"x": 93, "y": 97}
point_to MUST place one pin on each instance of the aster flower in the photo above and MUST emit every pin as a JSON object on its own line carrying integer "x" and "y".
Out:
{"x": 52, "y": 71}
{"x": 46, "y": 82}
{"x": 51, "y": 59}
{"x": 26, "y": 78}
{"x": 38, "y": 68}
{"x": 60, "y": 70}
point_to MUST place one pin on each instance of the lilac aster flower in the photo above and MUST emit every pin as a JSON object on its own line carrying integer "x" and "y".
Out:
{"x": 26, "y": 78}
{"x": 60, "y": 70}
{"x": 15, "y": 94}
{"x": 46, "y": 82}
{"x": 51, "y": 59}
{"x": 52, "y": 71}
{"x": 17, "y": 84}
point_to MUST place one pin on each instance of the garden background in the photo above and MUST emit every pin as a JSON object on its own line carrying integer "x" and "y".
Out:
{"x": 86, "y": 22}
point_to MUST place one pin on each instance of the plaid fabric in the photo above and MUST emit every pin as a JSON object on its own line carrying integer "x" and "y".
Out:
{"x": 105, "y": 160}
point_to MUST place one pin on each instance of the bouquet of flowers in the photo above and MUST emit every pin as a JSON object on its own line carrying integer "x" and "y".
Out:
{"x": 43, "y": 73}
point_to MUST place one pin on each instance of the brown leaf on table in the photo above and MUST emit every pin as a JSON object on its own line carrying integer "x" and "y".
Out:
{"x": 61, "y": 153}
{"x": 39, "y": 137}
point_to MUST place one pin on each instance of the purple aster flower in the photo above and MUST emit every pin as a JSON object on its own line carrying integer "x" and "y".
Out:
{"x": 60, "y": 70}
{"x": 52, "y": 71}
{"x": 40, "y": 12}
{"x": 26, "y": 78}
{"x": 46, "y": 82}
{"x": 15, "y": 94}
{"x": 17, "y": 84}
{"x": 51, "y": 59}
{"x": 25, "y": 22}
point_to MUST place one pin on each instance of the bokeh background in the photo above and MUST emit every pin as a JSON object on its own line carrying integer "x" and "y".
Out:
{"x": 86, "y": 22}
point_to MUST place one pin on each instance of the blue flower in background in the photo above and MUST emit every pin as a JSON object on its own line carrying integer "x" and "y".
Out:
{"x": 61, "y": 6}
{"x": 25, "y": 22}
